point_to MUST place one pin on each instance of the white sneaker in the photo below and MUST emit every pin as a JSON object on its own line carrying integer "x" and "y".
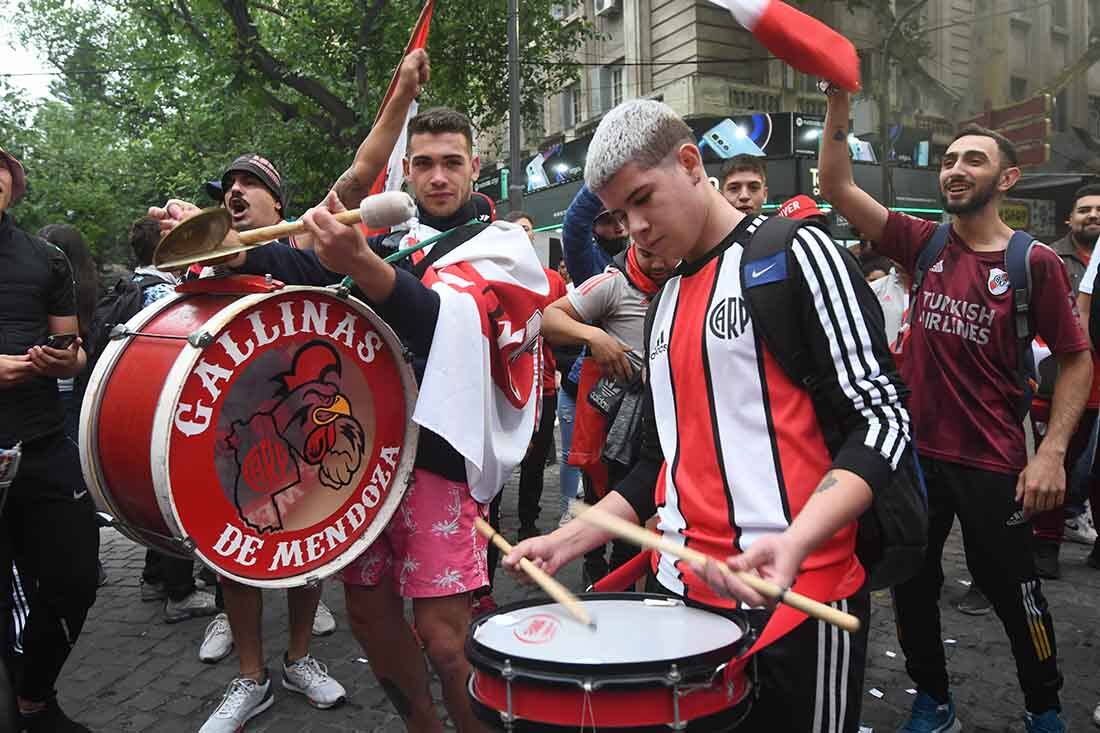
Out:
{"x": 1096, "y": 714}
{"x": 244, "y": 699}
{"x": 323, "y": 621}
{"x": 1079, "y": 529}
{"x": 310, "y": 678}
{"x": 566, "y": 518}
{"x": 198, "y": 603}
{"x": 217, "y": 642}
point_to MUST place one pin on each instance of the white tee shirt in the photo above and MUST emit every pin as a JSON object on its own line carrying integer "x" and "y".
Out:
{"x": 1089, "y": 278}
{"x": 894, "y": 299}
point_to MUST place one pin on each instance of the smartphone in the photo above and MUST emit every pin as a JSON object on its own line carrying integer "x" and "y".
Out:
{"x": 61, "y": 340}
{"x": 728, "y": 139}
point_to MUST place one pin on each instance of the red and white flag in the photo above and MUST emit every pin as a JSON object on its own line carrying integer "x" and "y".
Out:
{"x": 801, "y": 40}
{"x": 481, "y": 386}
{"x": 390, "y": 179}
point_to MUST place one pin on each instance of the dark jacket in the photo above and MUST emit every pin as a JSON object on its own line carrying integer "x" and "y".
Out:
{"x": 1075, "y": 267}
{"x": 36, "y": 282}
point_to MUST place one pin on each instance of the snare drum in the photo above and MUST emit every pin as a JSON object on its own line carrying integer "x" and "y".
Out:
{"x": 265, "y": 429}
{"x": 652, "y": 664}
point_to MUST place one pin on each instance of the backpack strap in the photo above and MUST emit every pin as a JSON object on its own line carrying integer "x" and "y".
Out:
{"x": 1018, "y": 266}
{"x": 454, "y": 239}
{"x": 929, "y": 255}
{"x": 772, "y": 298}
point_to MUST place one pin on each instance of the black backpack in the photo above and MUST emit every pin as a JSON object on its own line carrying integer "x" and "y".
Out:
{"x": 1018, "y": 269}
{"x": 117, "y": 305}
{"x": 893, "y": 533}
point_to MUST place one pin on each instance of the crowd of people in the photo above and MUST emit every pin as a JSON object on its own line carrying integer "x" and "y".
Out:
{"x": 678, "y": 405}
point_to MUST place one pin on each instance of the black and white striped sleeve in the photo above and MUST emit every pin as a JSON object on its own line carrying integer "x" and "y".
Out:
{"x": 856, "y": 373}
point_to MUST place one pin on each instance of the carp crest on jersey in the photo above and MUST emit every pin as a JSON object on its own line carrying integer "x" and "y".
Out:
{"x": 312, "y": 423}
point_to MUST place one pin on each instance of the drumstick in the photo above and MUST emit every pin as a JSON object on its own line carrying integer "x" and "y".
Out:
{"x": 644, "y": 538}
{"x": 553, "y": 588}
{"x": 380, "y": 211}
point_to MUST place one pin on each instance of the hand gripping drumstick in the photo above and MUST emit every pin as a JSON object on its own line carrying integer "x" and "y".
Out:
{"x": 644, "y": 538}
{"x": 553, "y": 588}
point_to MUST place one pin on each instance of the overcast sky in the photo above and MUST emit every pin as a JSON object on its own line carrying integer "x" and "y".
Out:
{"x": 20, "y": 60}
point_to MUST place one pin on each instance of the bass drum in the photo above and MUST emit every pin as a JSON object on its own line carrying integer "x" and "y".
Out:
{"x": 265, "y": 429}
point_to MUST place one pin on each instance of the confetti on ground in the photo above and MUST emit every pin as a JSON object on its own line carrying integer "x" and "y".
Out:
{"x": 911, "y": 691}
{"x": 362, "y": 660}
{"x": 950, "y": 641}
{"x": 865, "y": 729}
{"x": 965, "y": 582}
{"x": 876, "y": 692}
{"x": 891, "y": 654}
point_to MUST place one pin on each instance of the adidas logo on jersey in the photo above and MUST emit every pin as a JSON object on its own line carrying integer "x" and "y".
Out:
{"x": 938, "y": 267}
{"x": 1016, "y": 518}
{"x": 660, "y": 347}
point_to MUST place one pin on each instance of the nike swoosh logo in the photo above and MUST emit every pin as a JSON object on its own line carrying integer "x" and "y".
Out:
{"x": 758, "y": 273}
{"x": 78, "y": 495}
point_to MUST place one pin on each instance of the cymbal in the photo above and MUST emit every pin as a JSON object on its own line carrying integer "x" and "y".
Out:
{"x": 195, "y": 240}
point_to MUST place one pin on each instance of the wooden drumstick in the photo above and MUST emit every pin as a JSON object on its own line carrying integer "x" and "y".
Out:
{"x": 553, "y": 588}
{"x": 644, "y": 538}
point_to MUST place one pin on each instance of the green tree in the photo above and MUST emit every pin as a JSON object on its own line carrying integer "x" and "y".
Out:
{"x": 156, "y": 96}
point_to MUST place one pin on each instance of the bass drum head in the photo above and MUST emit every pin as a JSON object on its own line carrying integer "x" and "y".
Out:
{"x": 636, "y": 634}
{"x": 285, "y": 436}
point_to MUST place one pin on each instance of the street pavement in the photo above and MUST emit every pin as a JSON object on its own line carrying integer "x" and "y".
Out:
{"x": 132, "y": 672}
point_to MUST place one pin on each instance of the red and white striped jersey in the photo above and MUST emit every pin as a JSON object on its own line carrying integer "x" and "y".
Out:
{"x": 742, "y": 446}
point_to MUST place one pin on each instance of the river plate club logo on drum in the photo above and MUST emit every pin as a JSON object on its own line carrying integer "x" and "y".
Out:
{"x": 287, "y": 436}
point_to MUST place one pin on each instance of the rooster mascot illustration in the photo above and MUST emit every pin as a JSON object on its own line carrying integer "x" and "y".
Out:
{"x": 311, "y": 423}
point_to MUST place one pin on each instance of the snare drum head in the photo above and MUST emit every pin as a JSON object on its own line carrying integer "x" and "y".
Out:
{"x": 286, "y": 436}
{"x": 632, "y": 630}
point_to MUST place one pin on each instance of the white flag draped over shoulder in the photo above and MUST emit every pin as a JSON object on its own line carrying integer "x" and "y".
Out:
{"x": 801, "y": 40}
{"x": 481, "y": 386}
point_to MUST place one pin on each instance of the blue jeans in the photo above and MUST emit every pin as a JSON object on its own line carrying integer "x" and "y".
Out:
{"x": 570, "y": 476}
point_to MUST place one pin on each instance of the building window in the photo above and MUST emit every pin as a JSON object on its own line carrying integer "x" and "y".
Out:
{"x": 1059, "y": 14}
{"x": 1018, "y": 88}
{"x": 616, "y": 81}
{"x": 570, "y": 106}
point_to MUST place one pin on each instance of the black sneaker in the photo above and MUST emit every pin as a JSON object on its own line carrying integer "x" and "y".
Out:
{"x": 51, "y": 719}
{"x": 1046, "y": 560}
{"x": 1093, "y": 561}
{"x": 974, "y": 603}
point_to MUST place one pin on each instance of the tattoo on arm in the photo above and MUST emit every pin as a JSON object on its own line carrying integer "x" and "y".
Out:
{"x": 349, "y": 188}
{"x": 840, "y": 135}
{"x": 826, "y": 483}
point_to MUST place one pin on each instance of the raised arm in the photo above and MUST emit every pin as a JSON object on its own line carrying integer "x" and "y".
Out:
{"x": 374, "y": 152}
{"x": 835, "y": 171}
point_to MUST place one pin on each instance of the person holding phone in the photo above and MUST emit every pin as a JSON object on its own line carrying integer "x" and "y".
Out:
{"x": 47, "y": 527}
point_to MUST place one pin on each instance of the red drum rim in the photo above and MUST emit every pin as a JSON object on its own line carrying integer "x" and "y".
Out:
{"x": 89, "y": 410}
{"x": 174, "y": 385}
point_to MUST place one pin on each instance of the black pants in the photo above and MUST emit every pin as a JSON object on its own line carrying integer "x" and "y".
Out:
{"x": 534, "y": 463}
{"x": 48, "y": 528}
{"x": 596, "y": 562}
{"x": 811, "y": 679}
{"x": 175, "y": 573}
{"x": 998, "y": 547}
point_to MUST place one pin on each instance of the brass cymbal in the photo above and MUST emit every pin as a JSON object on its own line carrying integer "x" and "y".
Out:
{"x": 195, "y": 240}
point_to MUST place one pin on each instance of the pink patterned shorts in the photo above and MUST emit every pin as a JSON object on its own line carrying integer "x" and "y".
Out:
{"x": 431, "y": 547}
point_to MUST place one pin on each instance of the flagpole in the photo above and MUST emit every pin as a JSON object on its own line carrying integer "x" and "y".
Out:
{"x": 515, "y": 187}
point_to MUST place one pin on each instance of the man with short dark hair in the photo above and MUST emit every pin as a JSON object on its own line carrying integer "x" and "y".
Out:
{"x": 745, "y": 183}
{"x": 1071, "y": 522}
{"x": 47, "y": 525}
{"x": 960, "y": 361}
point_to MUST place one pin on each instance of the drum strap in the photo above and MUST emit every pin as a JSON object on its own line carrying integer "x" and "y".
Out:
{"x": 449, "y": 243}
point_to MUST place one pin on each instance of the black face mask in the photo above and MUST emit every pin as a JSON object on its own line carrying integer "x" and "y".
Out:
{"x": 612, "y": 245}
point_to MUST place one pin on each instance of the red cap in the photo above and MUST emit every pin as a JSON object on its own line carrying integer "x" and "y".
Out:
{"x": 800, "y": 207}
{"x": 18, "y": 177}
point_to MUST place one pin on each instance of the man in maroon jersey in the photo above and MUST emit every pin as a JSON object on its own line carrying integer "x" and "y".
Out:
{"x": 734, "y": 460}
{"x": 961, "y": 364}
